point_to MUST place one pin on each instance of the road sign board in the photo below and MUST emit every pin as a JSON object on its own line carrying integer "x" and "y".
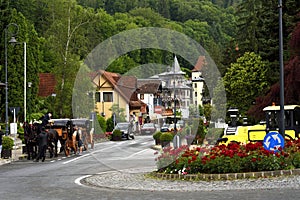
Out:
{"x": 13, "y": 128}
{"x": 273, "y": 141}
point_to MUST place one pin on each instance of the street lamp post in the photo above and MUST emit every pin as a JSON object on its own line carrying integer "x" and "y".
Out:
{"x": 29, "y": 94}
{"x": 25, "y": 80}
{"x": 53, "y": 95}
{"x": 13, "y": 41}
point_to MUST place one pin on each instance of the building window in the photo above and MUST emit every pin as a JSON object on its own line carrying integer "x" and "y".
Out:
{"x": 195, "y": 94}
{"x": 142, "y": 96}
{"x": 97, "y": 97}
{"x": 195, "y": 85}
{"x": 107, "y": 96}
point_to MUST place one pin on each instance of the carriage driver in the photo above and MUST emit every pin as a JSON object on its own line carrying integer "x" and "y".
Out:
{"x": 46, "y": 119}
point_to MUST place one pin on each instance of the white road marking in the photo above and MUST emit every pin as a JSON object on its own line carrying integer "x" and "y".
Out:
{"x": 77, "y": 158}
{"x": 77, "y": 181}
{"x": 134, "y": 154}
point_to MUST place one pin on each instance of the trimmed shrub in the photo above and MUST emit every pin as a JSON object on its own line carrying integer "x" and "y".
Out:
{"x": 166, "y": 137}
{"x": 7, "y": 143}
{"x": 156, "y": 135}
{"x": 116, "y": 135}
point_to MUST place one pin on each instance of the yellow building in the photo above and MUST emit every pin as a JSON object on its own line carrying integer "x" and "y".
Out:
{"x": 112, "y": 88}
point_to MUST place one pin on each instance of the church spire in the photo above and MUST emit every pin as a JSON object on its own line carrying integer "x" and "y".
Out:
{"x": 176, "y": 67}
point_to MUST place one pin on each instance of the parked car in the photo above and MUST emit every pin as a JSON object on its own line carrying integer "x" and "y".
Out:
{"x": 148, "y": 129}
{"x": 181, "y": 123}
{"x": 165, "y": 128}
{"x": 126, "y": 129}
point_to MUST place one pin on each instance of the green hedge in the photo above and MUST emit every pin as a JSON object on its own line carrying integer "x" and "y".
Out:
{"x": 156, "y": 135}
{"x": 166, "y": 137}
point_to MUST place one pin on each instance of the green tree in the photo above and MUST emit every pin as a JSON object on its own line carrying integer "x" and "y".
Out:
{"x": 109, "y": 124}
{"x": 26, "y": 33}
{"x": 245, "y": 80}
{"x": 218, "y": 110}
{"x": 258, "y": 30}
{"x": 102, "y": 123}
{"x": 64, "y": 39}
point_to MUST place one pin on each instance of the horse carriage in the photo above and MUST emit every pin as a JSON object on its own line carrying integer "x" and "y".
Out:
{"x": 58, "y": 130}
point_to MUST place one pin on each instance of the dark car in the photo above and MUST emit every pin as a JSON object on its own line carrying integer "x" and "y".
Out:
{"x": 126, "y": 130}
{"x": 148, "y": 129}
{"x": 165, "y": 128}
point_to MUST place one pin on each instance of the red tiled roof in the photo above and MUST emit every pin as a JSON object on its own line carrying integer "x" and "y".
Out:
{"x": 200, "y": 63}
{"x": 47, "y": 84}
{"x": 148, "y": 86}
{"x": 136, "y": 104}
{"x": 124, "y": 85}
{"x": 127, "y": 86}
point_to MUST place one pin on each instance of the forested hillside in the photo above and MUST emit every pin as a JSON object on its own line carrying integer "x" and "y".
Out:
{"x": 60, "y": 33}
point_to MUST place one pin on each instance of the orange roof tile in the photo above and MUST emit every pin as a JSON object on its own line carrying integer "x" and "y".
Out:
{"x": 47, "y": 83}
{"x": 200, "y": 63}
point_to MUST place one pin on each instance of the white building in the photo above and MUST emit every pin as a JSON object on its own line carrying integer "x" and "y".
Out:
{"x": 175, "y": 91}
{"x": 198, "y": 82}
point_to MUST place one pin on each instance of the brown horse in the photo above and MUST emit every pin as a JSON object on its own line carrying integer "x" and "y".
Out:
{"x": 53, "y": 139}
{"x": 30, "y": 138}
{"x": 71, "y": 144}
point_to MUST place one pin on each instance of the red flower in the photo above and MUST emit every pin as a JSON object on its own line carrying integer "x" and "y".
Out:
{"x": 194, "y": 158}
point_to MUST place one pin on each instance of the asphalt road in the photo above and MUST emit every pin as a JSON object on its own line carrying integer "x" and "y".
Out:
{"x": 56, "y": 178}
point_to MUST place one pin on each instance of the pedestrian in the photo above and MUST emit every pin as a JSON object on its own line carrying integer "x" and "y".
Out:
{"x": 1, "y": 134}
{"x": 92, "y": 138}
{"x": 42, "y": 142}
{"x": 80, "y": 142}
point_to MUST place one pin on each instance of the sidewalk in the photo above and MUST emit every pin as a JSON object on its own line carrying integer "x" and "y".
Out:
{"x": 16, "y": 154}
{"x": 4, "y": 161}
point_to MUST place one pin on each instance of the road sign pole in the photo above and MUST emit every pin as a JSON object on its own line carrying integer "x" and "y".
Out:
{"x": 281, "y": 125}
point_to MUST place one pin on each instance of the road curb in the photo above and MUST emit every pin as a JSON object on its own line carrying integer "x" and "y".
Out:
{"x": 230, "y": 176}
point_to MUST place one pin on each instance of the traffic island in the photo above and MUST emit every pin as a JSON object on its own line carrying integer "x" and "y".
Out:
{"x": 229, "y": 176}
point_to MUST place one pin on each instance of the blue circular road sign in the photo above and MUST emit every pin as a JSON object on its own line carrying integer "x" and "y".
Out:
{"x": 273, "y": 141}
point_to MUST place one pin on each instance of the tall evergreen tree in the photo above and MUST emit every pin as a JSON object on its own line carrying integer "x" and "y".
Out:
{"x": 15, "y": 59}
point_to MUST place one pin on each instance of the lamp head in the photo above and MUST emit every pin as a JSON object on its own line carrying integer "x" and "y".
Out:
{"x": 13, "y": 41}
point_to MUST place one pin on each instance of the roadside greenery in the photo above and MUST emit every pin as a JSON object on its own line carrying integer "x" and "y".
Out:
{"x": 61, "y": 33}
{"x": 166, "y": 137}
{"x": 156, "y": 137}
{"x": 116, "y": 135}
{"x": 244, "y": 80}
{"x": 233, "y": 158}
{"x": 7, "y": 143}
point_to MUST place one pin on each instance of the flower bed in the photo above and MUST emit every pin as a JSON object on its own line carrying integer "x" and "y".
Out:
{"x": 233, "y": 158}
